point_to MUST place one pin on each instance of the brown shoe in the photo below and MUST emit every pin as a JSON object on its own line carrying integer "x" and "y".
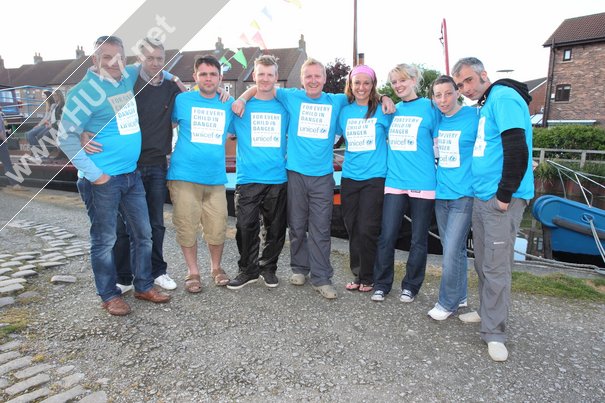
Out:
{"x": 152, "y": 295}
{"x": 116, "y": 306}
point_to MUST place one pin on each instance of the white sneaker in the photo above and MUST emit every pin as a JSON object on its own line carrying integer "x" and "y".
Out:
{"x": 470, "y": 317}
{"x": 124, "y": 288}
{"x": 165, "y": 282}
{"x": 407, "y": 296}
{"x": 463, "y": 304}
{"x": 298, "y": 279}
{"x": 438, "y": 313}
{"x": 497, "y": 351}
{"x": 378, "y": 296}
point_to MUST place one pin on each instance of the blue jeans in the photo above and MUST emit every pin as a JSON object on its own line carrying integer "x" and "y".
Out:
{"x": 454, "y": 221}
{"x": 124, "y": 193}
{"x": 393, "y": 210}
{"x": 154, "y": 182}
{"x": 35, "y": 134}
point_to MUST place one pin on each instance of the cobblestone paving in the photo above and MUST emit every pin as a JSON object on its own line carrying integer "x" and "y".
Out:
{"x": 24, "y": 375}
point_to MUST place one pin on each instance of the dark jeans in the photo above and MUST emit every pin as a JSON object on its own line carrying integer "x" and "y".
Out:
{"x": 154, "y": 182}
{"x": 7, "y": 164}
{"x": 126, "y": 194}
{"x": 362, "y": 214}
{"x": 257, "y": 203}
{"x": 421, "y": 213}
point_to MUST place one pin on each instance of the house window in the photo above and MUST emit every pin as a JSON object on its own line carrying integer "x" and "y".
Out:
{"x": 566, "y": 55}
{"x": 562, "y": 93}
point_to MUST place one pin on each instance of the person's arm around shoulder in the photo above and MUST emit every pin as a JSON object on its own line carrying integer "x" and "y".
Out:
{"x": 239, "y": 105}
{"x": 388, "y": 106}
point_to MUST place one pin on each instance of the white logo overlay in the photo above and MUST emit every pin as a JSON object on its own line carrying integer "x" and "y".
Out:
{"x": 449, "y": 148}
{"x": 207, "y": 125}
{"x": 125, "y": 108}
{"x": 403, "y": 133}
{"x": 314, "y": 121}
{"x": 361, "y": 135}
{"x": 479, "y": 149}
{"x": 265, "y": 129}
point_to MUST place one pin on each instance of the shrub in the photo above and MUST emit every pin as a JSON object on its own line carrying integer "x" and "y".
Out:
{"x": 570, "y": 138}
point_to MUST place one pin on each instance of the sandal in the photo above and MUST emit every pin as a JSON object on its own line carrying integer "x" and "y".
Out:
{"x": 352, "y": 286}
{"x": 366, "y": 287}
{"x": 220, "y": 277}
{"x": 193, "y": 283}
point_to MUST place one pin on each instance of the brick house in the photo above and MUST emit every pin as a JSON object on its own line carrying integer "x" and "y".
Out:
{"x": 576, "y": 72}
{"x": 537, "y": 90}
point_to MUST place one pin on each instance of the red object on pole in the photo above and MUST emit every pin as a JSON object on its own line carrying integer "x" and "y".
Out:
{"x": 354, "y": 33}
{"x": 444, "y": 37}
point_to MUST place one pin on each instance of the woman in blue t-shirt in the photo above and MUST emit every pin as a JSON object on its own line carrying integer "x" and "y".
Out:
{"x": 409, "y": 186}
{"x": 364, "y": 128}
{"x": 454, "y": 203}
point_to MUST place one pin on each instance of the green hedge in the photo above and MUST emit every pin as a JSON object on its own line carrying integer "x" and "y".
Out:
{"x": 570, "y": 138}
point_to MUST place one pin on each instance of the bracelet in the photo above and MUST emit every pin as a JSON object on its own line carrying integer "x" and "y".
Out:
{"x": 242, "y": 99}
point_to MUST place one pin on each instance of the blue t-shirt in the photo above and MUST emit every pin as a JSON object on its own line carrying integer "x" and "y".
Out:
{"x": 504, "y": 109}
{"x": 365, "y": 142}
{"x": 311, "y": 130}
{"x": 261, "y": 142}
{"x": 199, "y": 153}
{"x": 108, "y": 109}
{"x": 456, "y": 138}
{"x": 411, "y": 159}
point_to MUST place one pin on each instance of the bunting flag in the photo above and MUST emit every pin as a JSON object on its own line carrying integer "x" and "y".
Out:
{"x": 225, "y": 62}
{"x": 254, "y": 24}
{"x": 267, "y": 14}
{"x": 240, "y": 58}
{"x": 245, "y": 39}
{"x": 258, "y": 39}
{"x": 295, "y": 2}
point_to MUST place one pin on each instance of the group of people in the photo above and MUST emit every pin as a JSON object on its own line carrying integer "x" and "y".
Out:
{"x": 285, "y": 138}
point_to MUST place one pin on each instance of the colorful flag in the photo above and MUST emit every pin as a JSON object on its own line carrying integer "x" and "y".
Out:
{"x": 225, "y": 62}
{"x": 240, "y": 58}
{"x": 267, "y": 14}
{"x": 245, "y": 39}
{"x": 254, "y": 24}
{"x": 295, "y": 2}
{"x": 258, "y": 39}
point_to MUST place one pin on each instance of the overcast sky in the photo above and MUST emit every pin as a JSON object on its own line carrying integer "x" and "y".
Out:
{"x": 389, "y": 31}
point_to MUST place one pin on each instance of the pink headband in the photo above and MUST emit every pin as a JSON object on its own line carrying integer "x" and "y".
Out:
{"x": 362, "y": 68}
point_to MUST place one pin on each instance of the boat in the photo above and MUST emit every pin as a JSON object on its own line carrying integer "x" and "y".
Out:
{"x": 573, "y": 231}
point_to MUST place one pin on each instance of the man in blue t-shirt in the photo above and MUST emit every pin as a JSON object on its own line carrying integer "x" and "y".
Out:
{"x": 502, "y": 186}
{"x": 261, "y": 179}
{"x": 197, "y": 175}
{"x": 103, "y": 103}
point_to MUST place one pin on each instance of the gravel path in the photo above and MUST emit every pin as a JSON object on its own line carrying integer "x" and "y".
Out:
{"x": 288, "y": 343}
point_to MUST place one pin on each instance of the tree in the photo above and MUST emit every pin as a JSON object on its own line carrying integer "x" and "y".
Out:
{"x": 428, "y": 76}
{"x": 336, "y": 76}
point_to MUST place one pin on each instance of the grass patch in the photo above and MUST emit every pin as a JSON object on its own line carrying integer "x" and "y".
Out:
{"x": 13, "y": 320}
{"x": 559, "y": 285}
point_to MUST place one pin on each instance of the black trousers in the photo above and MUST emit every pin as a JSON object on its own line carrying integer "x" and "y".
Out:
{"x": 361, "y": 203}
{"x": 259, "y": 204}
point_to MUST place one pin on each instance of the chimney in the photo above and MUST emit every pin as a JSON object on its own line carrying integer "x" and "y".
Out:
{"x": 302, "y": 45}
{"x": 37, "y": 58}
{"x": 80, "y": 52}
{"x": 219, "y": 47}
{"x": 1, "y": 63}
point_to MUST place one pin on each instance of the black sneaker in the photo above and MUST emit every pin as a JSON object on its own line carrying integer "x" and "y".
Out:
{"x": 241, "y": 280}
{"x": 270, "y": 278}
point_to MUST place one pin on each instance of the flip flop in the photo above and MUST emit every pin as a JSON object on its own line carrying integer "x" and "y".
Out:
{"x": 193, "y": 283}
{"x": 352, "y": 286}
{"x": 366, "y": 287}
{"x": 220, "y": 277}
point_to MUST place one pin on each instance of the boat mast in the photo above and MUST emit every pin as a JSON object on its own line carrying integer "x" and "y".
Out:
{"x": 355, "y": 33}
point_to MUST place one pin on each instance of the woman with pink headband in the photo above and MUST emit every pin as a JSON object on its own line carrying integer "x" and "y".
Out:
{"x": 364, "y": 127}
